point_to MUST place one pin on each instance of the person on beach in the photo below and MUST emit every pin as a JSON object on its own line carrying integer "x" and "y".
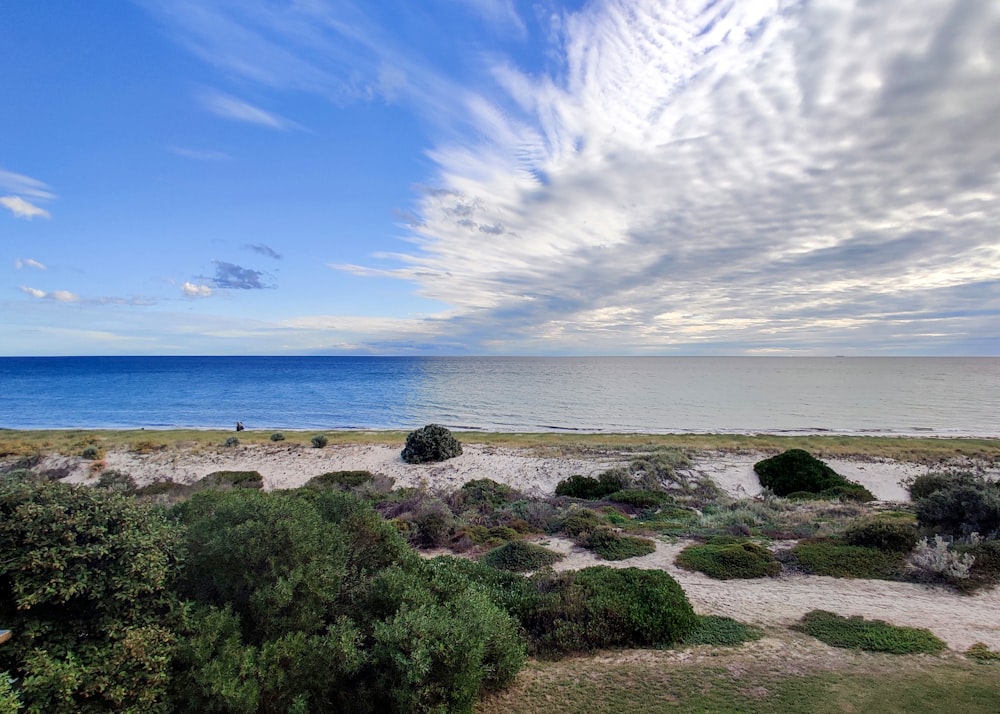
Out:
{"x": 239, "y": 426}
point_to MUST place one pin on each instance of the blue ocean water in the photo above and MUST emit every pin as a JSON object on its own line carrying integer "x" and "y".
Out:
{"x": 871, "y": 395}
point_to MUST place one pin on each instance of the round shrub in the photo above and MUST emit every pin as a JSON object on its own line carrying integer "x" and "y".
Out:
{"x": 117, "y": 482}
{"x": 611, "y": 545}
{"x": 796, "y": 470}
{"x": 592, "y": 489}
{"x": 277, "y": 436}
{"x": 923, "y": 486}
{"x": 232, "y": 441}
{"x": 344, "y": 480}
{"x": 319, "y": 441}
{"x": 430, "y": 443}
{"x": 962, "y": 509}
{"x": 91, "y": 453}
{"x": 520, "y": 557}
{"x": 726, "y": 561}
{"x": 580, "y": 521}
{"x": 892, "y": 532}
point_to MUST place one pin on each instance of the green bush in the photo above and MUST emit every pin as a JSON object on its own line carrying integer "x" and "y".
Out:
{"x": 981, "y": 651}
{"x": 86, "y": 583}
{"x": 589, "y": 488}
{"x": 277, "y": 436}
{"x": 602, "y": 607}
{"x": 232, "y": 441}
{"x": 925, "y": 485}
{"x": 483, "y": 495}
{"x": 871, "y": 635}
{"x": 231, "y": 479}
{"x": 344, "y": 480}
{"x": 640, "y": 498}
{"x": 985, "y": 570}
{"x": 319, "y": 441}
{"x": 430, "y": 443}
{"x": 825, "y": 556}
{"x": 579, "y": 521}
{"x": 892, "y": 532}
{"x": 10, "y": 701}
{"x": 91, "y": 453}
{"x": 961, "y": 509}
{"x": 729, "y": 560}
{"x": 520, "y": 557}
{"x": 796, "y": 471}
{"x": 611, "y": 545}
{"x": 117, "y": 482}
{"x": 721, "y": 631}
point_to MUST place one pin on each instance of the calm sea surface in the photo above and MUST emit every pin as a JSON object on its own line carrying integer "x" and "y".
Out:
{"x": 876, "y": 395}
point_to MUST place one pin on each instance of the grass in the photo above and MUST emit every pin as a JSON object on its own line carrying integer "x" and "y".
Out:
{"x": 871, "y": 635}
{"x": 753, "y": 680}
{"x": 725, "y": 561}
{"x": 822, "y": 556}
{"x": 927, "y": 451}
{"x": 719, "y": 631}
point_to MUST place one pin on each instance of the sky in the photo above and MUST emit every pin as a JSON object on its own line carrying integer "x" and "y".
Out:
{"x": 613, "y": 177}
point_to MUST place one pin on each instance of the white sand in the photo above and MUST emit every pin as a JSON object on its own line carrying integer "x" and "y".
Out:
{"x": 958, "y": 620}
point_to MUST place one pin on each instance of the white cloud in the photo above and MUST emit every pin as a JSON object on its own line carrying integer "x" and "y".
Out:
{"x": 22, "y": 209}
{"x": 193, "y": 290}
{"x": 57, "y": 295}
{"x": 24, "y": 186}
{"x": 229, "y": 107}
{"x": 21, "y": 263}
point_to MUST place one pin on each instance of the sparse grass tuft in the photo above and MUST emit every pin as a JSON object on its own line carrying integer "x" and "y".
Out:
{"x": 871, "y": 635}
{"x": 721, "y": 631}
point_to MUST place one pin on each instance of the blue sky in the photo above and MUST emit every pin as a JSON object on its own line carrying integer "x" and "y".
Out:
{"x": 498, "y": 176}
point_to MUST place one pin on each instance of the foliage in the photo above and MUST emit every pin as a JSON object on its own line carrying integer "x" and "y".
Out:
{"x": 579, "y": 521}
{"x": 589, "y": 488}
{"x": 231, "y": 479}
{"x": 721, "y": 631}
{"x": 430, "y": 443}
{"x": 601, "y": 607}
{"x": 796, "y": 471}
{"x": 91, "y": 453}
{"x": 483, "y": 495}
{"x": 344, "y": 480}
{"x": 938, "y": 558}
{"x": 724, "y": 560}
{"x": 611, "y": 545}
{"x": 981, "y": 651}
{"x": 117, "y": 482}
{"x": 277, "y": 436}
{"x": 85, "y": 581}
{"x": 319, "y": 441}
{"x": 985, "y": 570}
{"x": 828, "y": 556}
{"x": 926, "y": 484}
{"x": 640, "y": 498}
{"x": 895, "y": 532}
{"x": 962, "y": 508}
{"x": 870, "y": 635}
{"x": 10, "y": 700}
{"x": 232, "y": 441}
{"x": 520, "y": 557}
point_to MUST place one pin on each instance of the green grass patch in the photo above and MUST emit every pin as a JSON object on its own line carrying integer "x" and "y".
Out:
{"x": 829, "y": 556}
{"x": 611, "y": 545}
{"x": 858, "y": 633}
{"x": 721, "y": 632}
{"x": 726, "y": 561}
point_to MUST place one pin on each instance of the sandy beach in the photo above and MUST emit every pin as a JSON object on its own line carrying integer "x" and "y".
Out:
{"x": 957, "y": 619}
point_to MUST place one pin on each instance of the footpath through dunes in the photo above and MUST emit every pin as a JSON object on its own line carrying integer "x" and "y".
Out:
{"x": 959, "y": 620}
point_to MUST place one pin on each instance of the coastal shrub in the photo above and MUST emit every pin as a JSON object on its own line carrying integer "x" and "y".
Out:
{"x": 961, "y": 508}
{"x": 926, "y": 484}
{"x": 885, "y": 531}
{"x": 344, "y": 480}
{"x": 277, "y": 436}
{"x": 86, "y": 584}
{"x": 796, "y": 471}
{"x": 659, "y": 469}
{"x": 986, "y": 566}
{"x": 231, "y": 479}
{"x": 483, "y": 495}
{"x": 319, "y": 441}
{"x": 520, "y": 556}
{"x": 829, "y": 556}
{"x": 592, "y": 489}
{"x": 611, "y": 545}
{"x": 936, "y": 557}
{"x": 430, "y": 443}
{"x": 601, "y": 607}
{"x": 719, "y": 631}
{"x": 91, "y": 453}
{"x": 232, "y": 442}
{"x": 427, "y": 521}
{"x": 579, "y": 521}
{"x": 981, "y": 651}
{"x": 117, "y": 482}
{"x": 725, "y": 560}
{"x": 640, "y": 498}
{"x": 541, "y": 516}
{"x": 870, "y": 635}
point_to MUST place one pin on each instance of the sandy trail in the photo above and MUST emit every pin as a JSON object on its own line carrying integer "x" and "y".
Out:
{"x": 958, "y": 620}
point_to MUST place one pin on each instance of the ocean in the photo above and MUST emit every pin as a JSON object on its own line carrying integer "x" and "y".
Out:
{"x": 929, "y": 396}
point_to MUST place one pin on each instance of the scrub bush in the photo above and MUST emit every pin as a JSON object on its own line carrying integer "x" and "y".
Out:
{"x": 886, "y": 531}
{"x": 430, "y": 443}
{"x": 91, "y": 453}
{"x": 724, "y": 560}
{"x": 117, "y": 482}
{"x": 232, "y": 442}
{"x": 720, "y": 631}
{"x": 277, "y": 436}
{"x": 231, "y": 479}
{"x": 589, "y": 488}
{"x": 640, "y": 498}
{"x": 344, "y": 480}
{"x": 580, "y": 521}
{"x": 871, "y": 635}
{"x": 520, "y": 557}
{"x": 796, "y": 471}
{"x": 827, "y": 556}
{"x": 611, "y": 545}
{"x": 961, "y": 508}
{"x": 319, "y": 441}
{"x": 925, "y": 485}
